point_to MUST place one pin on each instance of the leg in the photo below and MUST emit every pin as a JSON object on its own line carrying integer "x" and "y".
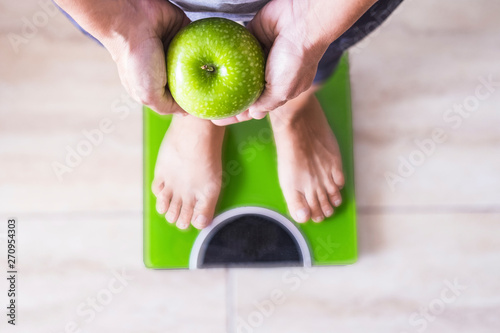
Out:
{"x": 309, "y": 161}
{"x": 188, "y": 172}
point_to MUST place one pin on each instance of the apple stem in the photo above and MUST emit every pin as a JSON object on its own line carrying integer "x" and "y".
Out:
{"x": 208, "y": 68}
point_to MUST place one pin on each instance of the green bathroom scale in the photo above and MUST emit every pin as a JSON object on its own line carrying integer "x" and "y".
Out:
{"x": 252, "y": 226}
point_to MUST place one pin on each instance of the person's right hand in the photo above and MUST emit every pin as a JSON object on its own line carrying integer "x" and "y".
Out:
{"x": 137, "y": 34}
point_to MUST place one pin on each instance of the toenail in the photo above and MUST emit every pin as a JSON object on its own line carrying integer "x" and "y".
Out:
{"x": 301, "y": 215}
{"x": 200, "y": 221}
{"x": 318, "y": 219}
{"x": 160, "y": 208}
{"x": 170, "y": 217}
{"x": 337, "y": 203}
{"x": 329, "y": 212}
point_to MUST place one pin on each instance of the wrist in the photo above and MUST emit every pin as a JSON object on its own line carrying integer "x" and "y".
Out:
{"x": 114, "y": 23}
{"x": 329, "y": 19}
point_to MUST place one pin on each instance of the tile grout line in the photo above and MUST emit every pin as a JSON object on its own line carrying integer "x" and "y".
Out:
{"x": 452, "y": 209}
{"x": 79, "y": 213}
{"x": 363, "y": 209}
{"x": 230, "y": 306}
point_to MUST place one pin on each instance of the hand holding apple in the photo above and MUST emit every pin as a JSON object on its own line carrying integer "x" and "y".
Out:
{"x": 215, "y": 68}
{"x": 296, "y": 34}
{"x": 136, "y": 33}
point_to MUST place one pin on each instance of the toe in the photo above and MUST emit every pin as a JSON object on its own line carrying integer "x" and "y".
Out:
{"x": 336, "y": 199}
{"x": 184, "y": 219}
{"x": 334, "y": 196}
{"x": 297, "y": 205}
{"x": 173, "y": 210}
{"x": 333, "y": 193}
{"x": 204, "y": 211}
{"x": 157, "y": 186}
{"x": 338, "y": 178}
{"x": 324, "y": 202}
{"x": 313, "y": 202}
{"x": 163, "y": 201}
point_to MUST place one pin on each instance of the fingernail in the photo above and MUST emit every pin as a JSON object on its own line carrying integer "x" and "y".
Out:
{"x": 329, "y": 212}
{"x": 337, "y": 203}
{"x": 200, "y": 221}
{"x": 301, "y": 215}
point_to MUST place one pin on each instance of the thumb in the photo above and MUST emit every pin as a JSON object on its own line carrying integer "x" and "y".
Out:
{"x": 143, "y": 73}
{"x": 164, "y": 104}
{"x": 268, "y": 101}
{"x": 260, "y": 28}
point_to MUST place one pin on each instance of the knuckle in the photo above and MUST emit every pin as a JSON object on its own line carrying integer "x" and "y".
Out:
{"x": 162, "y": 112}
{"x": 290, "y": 94}
{"x": 285, "y": 93}
{"x": 146, "y": 96}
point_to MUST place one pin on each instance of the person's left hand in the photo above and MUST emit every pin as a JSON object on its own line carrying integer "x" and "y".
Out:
{"x": 292, "y": 57}
{"x": 295, "y": 34}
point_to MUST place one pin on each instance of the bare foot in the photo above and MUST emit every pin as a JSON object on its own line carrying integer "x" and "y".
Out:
{"x": 188, "y": 172}
{"x": 309, "y": 161}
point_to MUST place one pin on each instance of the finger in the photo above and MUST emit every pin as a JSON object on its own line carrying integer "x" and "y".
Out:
{"x": 258, "y": 115}
{"x": 244, "y": 116}
{"x": 225, "y": 121}
{"x": 172, "y": 25}
{"x": 143, "y": 72}
{"x": 163, "y": 103}
{"x": 267, "y": 102}
{"x": 257, "y": 28}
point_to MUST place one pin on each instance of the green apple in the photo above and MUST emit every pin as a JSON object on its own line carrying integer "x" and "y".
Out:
{"x": 215, "y": 68}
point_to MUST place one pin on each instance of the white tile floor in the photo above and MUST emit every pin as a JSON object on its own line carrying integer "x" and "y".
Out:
{"x": 402, "y": 269}
{"x": 69, "y": 260}
{"x": 439, "y": 224}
